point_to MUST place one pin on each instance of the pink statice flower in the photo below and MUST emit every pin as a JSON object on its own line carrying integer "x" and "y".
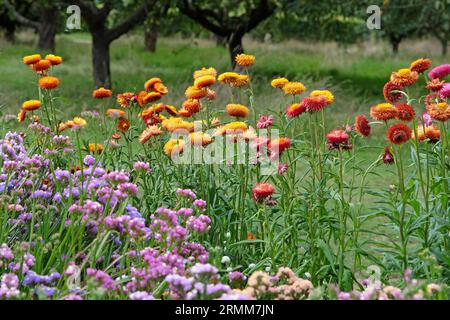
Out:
{"x": 265, "y": 121}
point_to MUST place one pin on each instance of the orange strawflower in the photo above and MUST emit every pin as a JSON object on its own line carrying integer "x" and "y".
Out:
{"x": 174, "y": 147}
{"x": 172, "y": 124}
{"x": 123, "y": 125}
{"x": 31, "y": 105}
{"x": 151, "y": 96}
{"x": 149, "y": 84}
{"x": 205, "y": 72}
{"x": 233, "y": 128}
{"x": 171, "y": 110}
{"x": 279, "y": 82}
{"x": 193, "y": 92}
{"x": 149, "y": 132}
{"x": 101, "y": 93}
{"x": 294, "y": 88}
{"x": 323, "y": 93}
{"x": 228, "y": 77}
{"x": 21, "y": 115}
{"x": 54, "y": 60}
{"x": 141, "y": 98}
{"x": 439, "y": 111}
{"x": 79, "y": 122}
{"x": 431, "y": 132}
{"x": 237, "y": 110}
{"x": 420, "y": 65}
{"x": 399, "y": 133}
{"x": 245, "y": 60}
{"x": 95, "y": 148}
{"x": 200, "y": 138}
{"x": 41, "y": 65}
{"x": 32, "y": 59}
{"x": 124, "y": 99}
{"x": 383, "y": 112}
{"x": 116, "y": 113}
{"x": 161, "y": 88}
{"x": 204, "y": 81}
{"x": 184, "y": 113}
{"x": 48, "y": 82}
{"x": 404, "y": 77}
{"x": 192, "y": 106}
{"x": 279, "y": 145}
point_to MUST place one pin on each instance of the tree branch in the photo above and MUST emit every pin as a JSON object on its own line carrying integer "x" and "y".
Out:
{"x": 20, "y": 18}
{"x": 200, "y": 16}
{"x": 138, "y": 16}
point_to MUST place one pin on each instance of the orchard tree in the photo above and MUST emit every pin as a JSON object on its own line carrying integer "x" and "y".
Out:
{"x": 400, "y": 19}
{"x": 97, "y": 16}
{"x": 436, "y": 20}
{"x": 46, "y": 25}
{"x": 229, "y": 19}
{"x": 153, "y": 23}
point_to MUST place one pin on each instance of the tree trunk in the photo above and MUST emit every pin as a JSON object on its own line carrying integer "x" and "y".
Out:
{"x": 151, "y": 35}
{"x": 10, "y": 34}
{"x": 395, "y": 43}
{"x": 235, "y": 47}
{"x": 47, "y": 29}
{"x": 100, "y": 60}
{"x": 444, "y": 44}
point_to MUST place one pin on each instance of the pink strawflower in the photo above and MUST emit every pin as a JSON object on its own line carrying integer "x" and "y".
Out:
{"x": 440, "y": 71}
{"x": 282, "y": 168}
{"x": 265, "y": 121}
{"x": 444, "y": 93}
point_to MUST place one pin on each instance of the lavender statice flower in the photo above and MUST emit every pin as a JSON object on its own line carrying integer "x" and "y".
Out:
{"x": 141, "y": 295}
{"x": 88, "y": 160}
{"x": 9, "y": 284}
{"x": 117, "y": 177}
{"x": 200, "y": 224}
{"x": 39, "y": 128}
{"x": 237, "y": 279}
{"x": 142, "y": 166}
{"x": 101, "y": 278}
{"x": 200, "y": 204}
{"x": 188, "y": 193}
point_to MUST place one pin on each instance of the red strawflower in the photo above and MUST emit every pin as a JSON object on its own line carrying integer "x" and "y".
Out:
{"x": 388, "y": 157}
{"x": 315, "y": 103}
{"x": 399, "y": 133}
{"x": 295, "y": 109}
{"x": 362, "y": 125}
{"x": 390, "y": 96}
{"x": 405, "y": 112}
{"x": 337, "y": 136}
{"x": 262, "y": 190}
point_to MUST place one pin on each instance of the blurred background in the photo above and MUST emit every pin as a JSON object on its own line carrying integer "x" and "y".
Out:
{"x": 348, "y": 46}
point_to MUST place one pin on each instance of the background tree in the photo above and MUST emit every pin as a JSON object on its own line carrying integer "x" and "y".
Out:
{"x": 96, "y": 14}
{"x": 436, "y": 20}
{"x": 229, "y": 19}
{"x": 8, "y": 24}
{"x": 153, "y": 23}
{"x": 46, "y": 24}
{"x": 400, "y": 19}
